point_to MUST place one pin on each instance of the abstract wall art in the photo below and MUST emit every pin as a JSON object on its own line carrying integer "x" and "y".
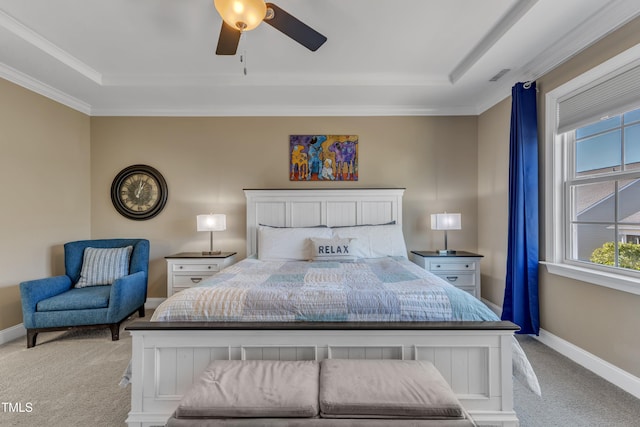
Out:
{"x": 323, "y": 157}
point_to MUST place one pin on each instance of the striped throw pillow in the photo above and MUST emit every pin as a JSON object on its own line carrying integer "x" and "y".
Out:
{"x": 101, "y": 266}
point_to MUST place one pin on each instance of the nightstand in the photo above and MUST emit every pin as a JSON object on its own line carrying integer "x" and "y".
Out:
{"x": 187, "y": 269}
{"x": 461, "y": 269}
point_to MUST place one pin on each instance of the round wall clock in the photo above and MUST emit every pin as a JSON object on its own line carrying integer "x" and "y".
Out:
{"x": 139, "y": 192}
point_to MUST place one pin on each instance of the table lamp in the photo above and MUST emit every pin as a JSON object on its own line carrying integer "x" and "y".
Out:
{"x": 211, "y": 223}
{"x": 446, "y": 221}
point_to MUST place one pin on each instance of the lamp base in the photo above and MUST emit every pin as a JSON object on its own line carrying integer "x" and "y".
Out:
{"x": 211, "y": 252}
{"x": 446, "y": 252}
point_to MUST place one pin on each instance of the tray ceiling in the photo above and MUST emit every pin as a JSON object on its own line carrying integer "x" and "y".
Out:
{"x": 403, "y": 57}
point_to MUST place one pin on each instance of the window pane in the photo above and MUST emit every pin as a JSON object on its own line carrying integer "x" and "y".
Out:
{"x": 594, "y": 202}
{"x": 598, "y": 127}
{"x": 588, "y": 238}
{"x": 629, "y": 201}
{"x": 632, "y": 147}
{"x": 599, "y": 153}
{"x": 632, "y": 116}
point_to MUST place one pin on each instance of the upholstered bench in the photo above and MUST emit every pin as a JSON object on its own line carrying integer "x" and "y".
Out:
{"x": 333, "y": 392}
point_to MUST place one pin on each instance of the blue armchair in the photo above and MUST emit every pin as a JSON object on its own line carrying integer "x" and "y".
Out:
{"x": 54, "y": 303}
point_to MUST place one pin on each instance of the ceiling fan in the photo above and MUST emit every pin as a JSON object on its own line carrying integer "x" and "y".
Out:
{"x": 244, "y": 15}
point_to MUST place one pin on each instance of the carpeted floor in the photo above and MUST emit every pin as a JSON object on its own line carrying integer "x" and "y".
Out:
{"x": 71, "y": 379}
{"x": 571, "y": 395}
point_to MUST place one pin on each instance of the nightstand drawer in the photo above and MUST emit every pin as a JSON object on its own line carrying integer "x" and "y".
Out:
{"x": 461, "y": 269}
{"x": 196, "y": 267}
{"x": 181, "y": 281}
{"x": 188, "y": 269}
{"x": 459, "y": 279}
{"x": 452, "y": 266}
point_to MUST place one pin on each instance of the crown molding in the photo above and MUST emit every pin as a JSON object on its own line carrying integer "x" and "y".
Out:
{"x": 287, "y": 111}
{"x": 43, "y": 89}
{"x": 608, "y": 19}
{"x": 27, "y": 34}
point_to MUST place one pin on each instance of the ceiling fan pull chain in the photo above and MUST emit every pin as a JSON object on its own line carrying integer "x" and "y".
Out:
{"x": 243, "y": 59}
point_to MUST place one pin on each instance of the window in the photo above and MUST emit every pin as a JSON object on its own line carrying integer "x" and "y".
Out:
{"x": 592, "y": 189}
{"x": 603, "y": 189}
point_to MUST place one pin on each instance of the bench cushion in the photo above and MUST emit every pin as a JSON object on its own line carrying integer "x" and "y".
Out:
{"x": 385, "y": 388}
{"x": 253, "y": 388}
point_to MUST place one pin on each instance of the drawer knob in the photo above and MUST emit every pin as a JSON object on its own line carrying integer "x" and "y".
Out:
{"x": 452, "y": 278}
{"x": 209, "y": 267}
{"x": 466, "y": 266}
{"x": 438, "y": 266}
{"x": 180, "y": 267}
{"x": 196, "y": 279}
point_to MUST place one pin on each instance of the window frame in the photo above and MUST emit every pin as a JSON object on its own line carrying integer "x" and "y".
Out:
{"x": 557, "y": 197}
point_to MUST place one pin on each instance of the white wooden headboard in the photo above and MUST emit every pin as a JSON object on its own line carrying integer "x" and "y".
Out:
{"x": 305, "y": 208}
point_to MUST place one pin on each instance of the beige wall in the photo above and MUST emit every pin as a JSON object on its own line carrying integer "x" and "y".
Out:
{"x": 207, "y": 162}
{"x": 45, "y": 191}
{"x": 493, "y": 201}
{"x": 602, "y": 321}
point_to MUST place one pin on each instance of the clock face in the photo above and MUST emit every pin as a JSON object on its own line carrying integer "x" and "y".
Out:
{"x": 139, "y": 192}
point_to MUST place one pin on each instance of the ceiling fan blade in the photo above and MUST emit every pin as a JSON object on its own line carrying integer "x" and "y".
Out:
{"x": 294, "y": 28}
{"x": 228, "y": 41}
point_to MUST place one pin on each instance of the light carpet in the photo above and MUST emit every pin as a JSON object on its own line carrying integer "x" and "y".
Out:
{"x": 71, "y": 379}
{"x": 68, "y": 379}
{"x": 571, "y": 395}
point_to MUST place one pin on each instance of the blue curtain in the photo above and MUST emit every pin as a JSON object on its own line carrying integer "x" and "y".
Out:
{"x": 521, "y": 292}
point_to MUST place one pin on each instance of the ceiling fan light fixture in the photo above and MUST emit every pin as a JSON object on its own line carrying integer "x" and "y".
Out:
{"x": 244, "y": 15}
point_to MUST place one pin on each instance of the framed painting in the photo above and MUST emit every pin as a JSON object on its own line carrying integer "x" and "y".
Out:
{"x": 323, "y": 157}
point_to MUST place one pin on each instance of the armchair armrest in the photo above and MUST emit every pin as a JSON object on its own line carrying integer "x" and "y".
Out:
{"x": 34, "y": 291}
{"x": 127, "y": 294}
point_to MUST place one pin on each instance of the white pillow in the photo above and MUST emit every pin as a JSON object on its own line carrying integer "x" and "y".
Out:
{"x": 333, "y": 249}
{"x": 288, "y": 244}
{"x": 102, "y": 266}
{"x": 374, "y": 241}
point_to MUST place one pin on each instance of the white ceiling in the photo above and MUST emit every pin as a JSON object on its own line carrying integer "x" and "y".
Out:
{"x": 391, "y": 57}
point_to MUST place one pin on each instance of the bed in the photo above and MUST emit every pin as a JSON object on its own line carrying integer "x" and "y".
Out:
{"x": 358, "y": 298}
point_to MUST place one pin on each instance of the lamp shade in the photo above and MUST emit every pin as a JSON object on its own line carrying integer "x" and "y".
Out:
{"x": 446, "y": 221}
{"x": 212, "y": 222}
{"x": 243, "y": 15}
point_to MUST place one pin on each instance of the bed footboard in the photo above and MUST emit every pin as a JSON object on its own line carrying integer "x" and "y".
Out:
{"x": 474, "y": 357}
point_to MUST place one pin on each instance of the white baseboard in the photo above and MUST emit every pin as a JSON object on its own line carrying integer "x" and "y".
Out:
{"x": 611, "y": 373}
{"x": 12, "y": 333}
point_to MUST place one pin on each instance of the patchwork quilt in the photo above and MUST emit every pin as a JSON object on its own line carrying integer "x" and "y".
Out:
{"x": 380, "y": 289}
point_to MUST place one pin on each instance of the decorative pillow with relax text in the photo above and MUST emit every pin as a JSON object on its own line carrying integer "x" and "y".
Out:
{"x": 102, "y": 266}
{"x": 334, "y": 249}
